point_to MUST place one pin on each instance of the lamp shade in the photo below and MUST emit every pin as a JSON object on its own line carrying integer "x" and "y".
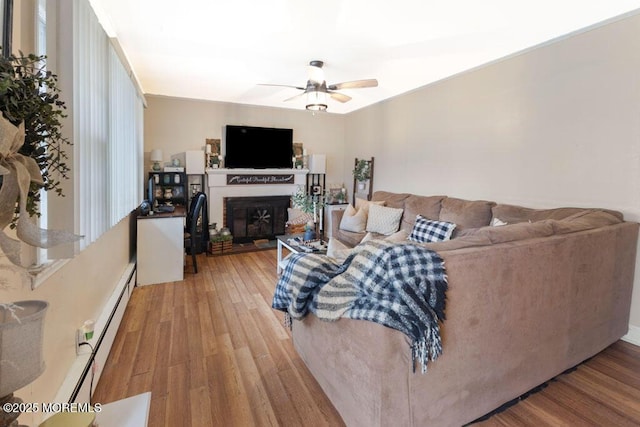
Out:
{"x": 156, "y": 155}
{"x": 316, "y": 101}
{"x": 318, "y": 163}
{"x": 21, "y": 333}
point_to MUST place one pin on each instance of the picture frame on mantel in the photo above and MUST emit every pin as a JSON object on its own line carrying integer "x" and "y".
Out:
{"x": 215, "y": 146}
{"x": 298, "y": 155}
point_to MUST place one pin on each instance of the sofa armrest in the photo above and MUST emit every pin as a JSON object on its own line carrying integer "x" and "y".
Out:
{"x": 336, "y": 217}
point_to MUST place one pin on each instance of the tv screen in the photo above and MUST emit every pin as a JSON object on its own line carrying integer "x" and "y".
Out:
{"x": 258, "y": 147}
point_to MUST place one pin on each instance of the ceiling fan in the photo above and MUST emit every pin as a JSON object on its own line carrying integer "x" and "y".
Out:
{"x": 317, "y": 88}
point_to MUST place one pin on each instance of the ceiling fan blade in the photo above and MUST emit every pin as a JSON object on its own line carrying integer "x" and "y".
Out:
{"x": 269, "y": 84}
{"x": 356, "y": 84}
{"x": 339, "y": 96}
{"x": 295, "y": 97}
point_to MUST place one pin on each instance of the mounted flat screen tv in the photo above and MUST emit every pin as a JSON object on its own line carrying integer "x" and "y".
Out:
{"x": 258, "y": 147}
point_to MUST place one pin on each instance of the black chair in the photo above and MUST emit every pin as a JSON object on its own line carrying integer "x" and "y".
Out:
{"x": 196, "y": 232}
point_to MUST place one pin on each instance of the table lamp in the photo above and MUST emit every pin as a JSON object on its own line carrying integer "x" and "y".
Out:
{"x": 21, "y": 331}
{"x": 156, "y": 158}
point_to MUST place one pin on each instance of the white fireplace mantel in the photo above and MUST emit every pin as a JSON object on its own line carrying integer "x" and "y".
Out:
{"x": 219, "y": 189}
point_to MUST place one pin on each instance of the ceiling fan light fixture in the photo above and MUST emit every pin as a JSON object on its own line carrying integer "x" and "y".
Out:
{"x": 316, "y": 101}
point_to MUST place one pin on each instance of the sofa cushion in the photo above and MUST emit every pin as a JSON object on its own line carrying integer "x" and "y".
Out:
{"x": 466, "y": 213}
{"x": 354, "y": 220}
{"x": 383, "y": 220}
{"x": 427, "y": 206}
{"x": 338, "y": 250}
{"x": 400, "y": 236}
{"x": 585, "y": 220}
{"x": 362, "y": 204}
{"x": 427, "y": 230}
{"x": 394, "y": 200}
{"x": 458, "y": 243}
{"x": 348, "y": 237}
{"x": 513, "y": 232}
{"x": 513, "y": 214}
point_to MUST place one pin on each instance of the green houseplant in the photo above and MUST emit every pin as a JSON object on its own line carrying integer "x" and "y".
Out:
{"x": 307, "y": 202}
{"x": 362, "y": 172}
{"x": 29, "y": 94}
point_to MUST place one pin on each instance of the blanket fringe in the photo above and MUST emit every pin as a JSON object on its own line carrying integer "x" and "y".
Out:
{"x": 288, "y": 322}
{"x": 426, "y": 349}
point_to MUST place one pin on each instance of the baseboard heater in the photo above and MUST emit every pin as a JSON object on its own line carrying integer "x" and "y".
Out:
{"x": 83, "y": 377}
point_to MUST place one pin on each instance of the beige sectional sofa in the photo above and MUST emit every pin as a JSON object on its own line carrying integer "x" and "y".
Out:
{"x": 526, "y": 301}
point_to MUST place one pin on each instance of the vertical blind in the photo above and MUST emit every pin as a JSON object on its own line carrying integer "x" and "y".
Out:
{"x": 108, "y": 120}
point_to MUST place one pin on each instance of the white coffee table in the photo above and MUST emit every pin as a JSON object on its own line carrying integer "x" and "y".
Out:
{"x": 287, "y": 241}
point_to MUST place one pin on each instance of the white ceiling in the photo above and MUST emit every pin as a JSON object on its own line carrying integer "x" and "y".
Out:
{"x": 221, "y": 50}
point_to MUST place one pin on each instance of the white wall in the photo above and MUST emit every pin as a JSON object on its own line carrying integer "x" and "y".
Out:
{"x": 175, "y": 125}
{"x": 76, "y": 292}
{"x": 558, "y": 125}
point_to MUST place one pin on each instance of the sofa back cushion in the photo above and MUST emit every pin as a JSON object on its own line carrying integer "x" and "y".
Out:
{"x": 520, "y": 231}
{"x": 513, "y": 214}
{"x": 426, "y": 206}
{"x": 394, "y": 200}
{"x": 458, "y": 243}
{"x": 585, "y": 220}
{"x": 466, "y": 213}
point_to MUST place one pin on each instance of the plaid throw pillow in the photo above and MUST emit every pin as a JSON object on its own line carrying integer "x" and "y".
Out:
{"x": 426, "y": 230}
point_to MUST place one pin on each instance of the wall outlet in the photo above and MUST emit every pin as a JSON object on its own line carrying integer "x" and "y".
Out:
{"x": 81, "y": 349}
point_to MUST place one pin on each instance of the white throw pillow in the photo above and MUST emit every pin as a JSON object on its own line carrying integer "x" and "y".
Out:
{"x": 497, "y": 222}
{"x": 353, "y": 220}
{"x": 383, "y": 220}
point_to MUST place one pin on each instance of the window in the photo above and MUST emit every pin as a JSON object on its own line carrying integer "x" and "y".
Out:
{"x": 105, "y": 125}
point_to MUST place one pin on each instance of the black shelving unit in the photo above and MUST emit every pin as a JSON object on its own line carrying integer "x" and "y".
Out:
{"x": 169, "y": 188}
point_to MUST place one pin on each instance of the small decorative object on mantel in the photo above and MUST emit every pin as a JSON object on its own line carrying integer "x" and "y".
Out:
{"x": 298, "y": 153}
{"x": 215, "y": 161}
{"x": 213, "y": 156}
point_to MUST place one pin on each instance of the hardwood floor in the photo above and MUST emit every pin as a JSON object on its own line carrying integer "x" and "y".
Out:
{"x": 213, "y": 352}
{"x": 603, "y": 391}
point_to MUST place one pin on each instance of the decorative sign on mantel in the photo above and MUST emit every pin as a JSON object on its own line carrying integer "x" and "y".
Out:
{"x": 249, "y": 179}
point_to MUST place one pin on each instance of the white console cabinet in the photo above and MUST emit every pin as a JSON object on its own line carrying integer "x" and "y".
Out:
{"x": 160, "y": 248}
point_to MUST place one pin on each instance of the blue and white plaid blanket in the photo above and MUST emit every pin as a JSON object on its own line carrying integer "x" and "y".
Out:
{"x": 401, "y": 286}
